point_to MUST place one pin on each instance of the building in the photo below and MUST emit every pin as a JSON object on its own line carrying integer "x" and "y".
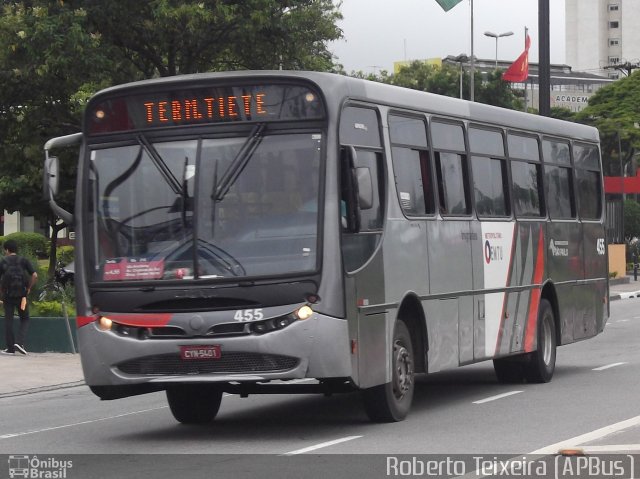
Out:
{"x": 15, "y": 222}
{"x": 569, "y": 89}
{"x": 602, "y": 36}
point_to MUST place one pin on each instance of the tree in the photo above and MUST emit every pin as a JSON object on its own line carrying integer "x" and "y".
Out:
{"x": 631, "y": 220}
{"x": 615, "y": 111}
{"x": 170, "y": 37}
{"x": 445, "y": 80}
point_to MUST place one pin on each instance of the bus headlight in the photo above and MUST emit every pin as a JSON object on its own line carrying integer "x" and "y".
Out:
{"x": 305, "y": 312}
{"x": 105, "y": 324}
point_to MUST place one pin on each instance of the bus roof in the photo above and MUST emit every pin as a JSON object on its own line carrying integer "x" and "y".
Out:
{"x": 339, "y": 88}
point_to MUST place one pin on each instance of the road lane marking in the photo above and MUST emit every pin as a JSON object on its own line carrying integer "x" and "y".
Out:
{"x": 320, "y": 446}
{"x": 622, "y": 448}
{"x": 499, "y": 396}
{"x": 608, "y": 366}
{"x": 588, "y": 437}
{"x": 46, "y": 429}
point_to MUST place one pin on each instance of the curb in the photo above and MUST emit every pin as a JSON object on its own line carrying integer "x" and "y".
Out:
{"x": 630, "y": 294}
{"x": 42, "y": 389}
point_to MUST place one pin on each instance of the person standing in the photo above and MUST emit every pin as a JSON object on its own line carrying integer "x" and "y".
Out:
{"x": 17, "y": 277}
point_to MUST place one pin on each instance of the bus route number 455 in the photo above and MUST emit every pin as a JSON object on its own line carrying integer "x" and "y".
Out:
{"x": 245, "y": 315}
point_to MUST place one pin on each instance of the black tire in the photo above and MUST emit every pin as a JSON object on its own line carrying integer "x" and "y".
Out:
{"x": 194, "y": 403}
{"x": 391, "y": 402}
{"x": 542, "y": 362}
{"x": 509, "y": 371}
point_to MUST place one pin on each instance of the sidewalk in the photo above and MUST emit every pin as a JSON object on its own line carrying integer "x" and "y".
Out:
{"x": 38, "y": 372}
{"x": 630, "y": 289}
{"x": 46, "y": 371}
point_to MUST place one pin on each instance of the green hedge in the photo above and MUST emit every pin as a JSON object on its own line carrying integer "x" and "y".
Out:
{"x": 30, "y": 245}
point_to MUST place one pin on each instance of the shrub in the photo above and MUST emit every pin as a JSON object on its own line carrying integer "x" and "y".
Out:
{"x": 30, "y": 245}
{"x": 50, "y": 309}
{"x": 65, "y": 254}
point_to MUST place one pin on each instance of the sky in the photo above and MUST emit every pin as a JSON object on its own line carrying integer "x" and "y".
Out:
{"x": 380, "y": 32}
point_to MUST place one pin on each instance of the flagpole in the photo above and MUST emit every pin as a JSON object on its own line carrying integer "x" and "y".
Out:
{"x": 526, "y": 80}
{"x": 472, "y": 61}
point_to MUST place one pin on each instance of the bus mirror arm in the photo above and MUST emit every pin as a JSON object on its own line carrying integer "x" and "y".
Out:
{"x": 67, "y": 217}
{"x": 51, "y": 175}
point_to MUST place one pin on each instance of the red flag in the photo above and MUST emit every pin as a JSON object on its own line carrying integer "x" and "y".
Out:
{"x": 519, "y": 70}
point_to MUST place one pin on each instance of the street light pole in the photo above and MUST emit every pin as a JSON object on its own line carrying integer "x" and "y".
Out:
{"x": 496, "y": 36}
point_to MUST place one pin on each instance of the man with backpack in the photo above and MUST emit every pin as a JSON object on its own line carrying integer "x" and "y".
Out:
{"x": 17, "y": 276}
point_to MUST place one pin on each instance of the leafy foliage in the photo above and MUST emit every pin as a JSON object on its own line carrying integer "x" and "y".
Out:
{"x": 631, "y": 220}
{"x": 29, "y": 244}
{"x": 445, "y": 80}
{"x": 615, "y": 111}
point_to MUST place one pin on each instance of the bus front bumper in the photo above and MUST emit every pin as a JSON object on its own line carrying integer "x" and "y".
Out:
{"x": 318, "y": 347}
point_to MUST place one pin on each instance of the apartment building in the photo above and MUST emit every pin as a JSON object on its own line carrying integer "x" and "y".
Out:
{"x": 603, "y": 36}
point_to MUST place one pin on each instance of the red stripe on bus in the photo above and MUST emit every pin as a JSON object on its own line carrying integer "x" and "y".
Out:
{"x": 143, "y": 320}
{"x": 84, "y": 320}
{"x": 534, "y": 304}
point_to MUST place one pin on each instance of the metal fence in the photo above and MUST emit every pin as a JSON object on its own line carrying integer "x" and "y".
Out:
{"x": 615, "y": 220}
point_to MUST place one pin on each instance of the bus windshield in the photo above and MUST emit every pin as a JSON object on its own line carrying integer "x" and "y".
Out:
{"x": 205, "y": 208}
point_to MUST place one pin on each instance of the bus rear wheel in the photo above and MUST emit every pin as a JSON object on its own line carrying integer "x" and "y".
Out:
{"x": 391, "y": 402}
{"x": 538, "y": 366}
{"x": 542, "y": 362}
{"x": 194, "y": 403}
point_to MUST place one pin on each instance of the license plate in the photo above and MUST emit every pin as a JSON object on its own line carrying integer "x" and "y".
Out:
{"x": 200, "y": 352}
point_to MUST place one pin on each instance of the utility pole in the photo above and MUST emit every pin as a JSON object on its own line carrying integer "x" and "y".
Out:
{"x": 544, "y": 62}
{"x": 626, "y": 67}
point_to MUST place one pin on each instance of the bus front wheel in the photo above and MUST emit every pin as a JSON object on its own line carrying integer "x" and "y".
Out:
{"x": 391, "y": 402}
{"x": 194, "y": 403}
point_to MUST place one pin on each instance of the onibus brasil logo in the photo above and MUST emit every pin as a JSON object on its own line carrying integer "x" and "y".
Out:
{"x": 35, "y": 468}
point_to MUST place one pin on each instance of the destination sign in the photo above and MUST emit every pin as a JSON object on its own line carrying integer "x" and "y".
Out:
{"x": 197, "y": 106}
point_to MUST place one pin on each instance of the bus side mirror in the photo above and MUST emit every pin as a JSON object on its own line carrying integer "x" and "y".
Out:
{"x": 365, "y": 188}
{"x": 51, "y": 176}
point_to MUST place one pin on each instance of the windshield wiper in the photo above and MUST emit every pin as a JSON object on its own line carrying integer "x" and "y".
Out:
{"x": 239, "y": 162}
{"x": 164, "y": 170}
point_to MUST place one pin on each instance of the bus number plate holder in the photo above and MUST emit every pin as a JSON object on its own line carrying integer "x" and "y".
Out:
{"x": 190, "y": 353}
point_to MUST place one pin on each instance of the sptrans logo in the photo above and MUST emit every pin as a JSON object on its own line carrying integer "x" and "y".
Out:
{"x": 35, "y": 468}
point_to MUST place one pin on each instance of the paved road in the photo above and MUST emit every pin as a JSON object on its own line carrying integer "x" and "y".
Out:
{"x": 591, "y": 403}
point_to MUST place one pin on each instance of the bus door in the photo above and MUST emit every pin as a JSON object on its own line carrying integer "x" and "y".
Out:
{"x": 362, "y": 188}
{"x": 449, "y": 243}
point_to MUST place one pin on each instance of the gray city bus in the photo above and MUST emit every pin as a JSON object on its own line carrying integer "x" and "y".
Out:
{"x": 282, "y": 232}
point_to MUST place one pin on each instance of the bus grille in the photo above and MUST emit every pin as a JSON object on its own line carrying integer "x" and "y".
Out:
{"x": 229, "y": 363}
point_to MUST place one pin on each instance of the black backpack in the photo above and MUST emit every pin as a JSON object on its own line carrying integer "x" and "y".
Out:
{"x": 14, "y": 280}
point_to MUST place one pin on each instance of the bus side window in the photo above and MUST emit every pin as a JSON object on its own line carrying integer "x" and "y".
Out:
{"x": 489, "y": 165}
{"x": 361, "y": 223}
{"x": 451, "y": 168}
{"x": 587, "y": 162}
{"x": 526, "y": 175}
{"x": 357, "y": 217}
{"x": 558, "y": 179}
{"x": 410, "y": 155}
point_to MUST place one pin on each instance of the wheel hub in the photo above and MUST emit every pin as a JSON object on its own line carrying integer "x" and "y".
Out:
{"x": 403, "y": 371}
